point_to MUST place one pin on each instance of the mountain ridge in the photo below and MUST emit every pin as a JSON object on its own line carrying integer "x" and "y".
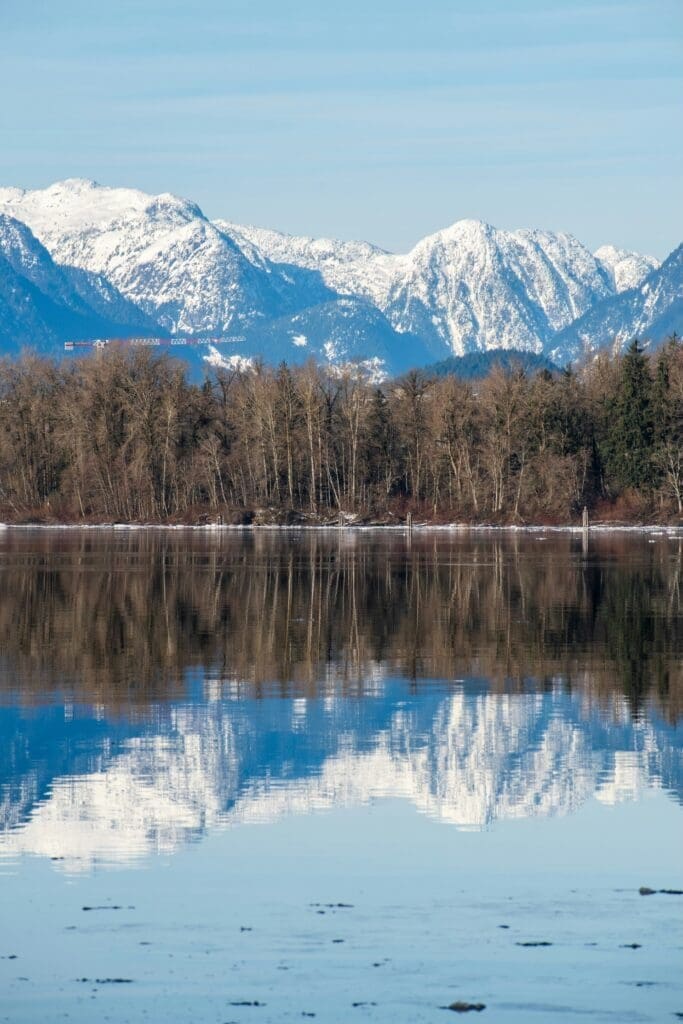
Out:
{"x": 469, "y": 287}
{"x": 651, "y": 310}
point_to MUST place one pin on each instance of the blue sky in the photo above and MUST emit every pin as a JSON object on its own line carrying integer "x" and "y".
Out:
{"x": 360, "y": 119}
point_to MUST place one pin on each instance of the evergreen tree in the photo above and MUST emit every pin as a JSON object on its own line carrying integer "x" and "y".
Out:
{"x": 668, "y": 420}
{"x": 630, "y": 433}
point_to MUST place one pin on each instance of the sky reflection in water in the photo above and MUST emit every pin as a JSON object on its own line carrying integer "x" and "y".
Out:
{"x": 158, "y": 689}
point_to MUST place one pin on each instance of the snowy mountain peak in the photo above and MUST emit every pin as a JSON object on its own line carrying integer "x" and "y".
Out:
{"x": 78, "y": 185}
{"x": 468, "y": 287}
{"x": 269, "y": 238}
{"x": 160, "y": 252}
{"x": 465, "y": 231}
{"x": 625, "y": 269}
{"x": 77, "y": 205}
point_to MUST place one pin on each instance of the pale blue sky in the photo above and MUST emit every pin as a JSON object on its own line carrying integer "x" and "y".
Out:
{"x": 380, "y": 120}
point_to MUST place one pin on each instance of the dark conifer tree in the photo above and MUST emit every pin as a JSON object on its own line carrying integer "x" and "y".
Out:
{"x": 631, "y": 427}
{"x": 668, "y": 420}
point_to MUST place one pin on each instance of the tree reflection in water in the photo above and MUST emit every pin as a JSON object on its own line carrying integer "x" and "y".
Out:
{"x": 119, "y": 618}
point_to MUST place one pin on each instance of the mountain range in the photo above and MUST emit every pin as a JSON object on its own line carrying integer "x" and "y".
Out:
{"x": 79, "y": 260}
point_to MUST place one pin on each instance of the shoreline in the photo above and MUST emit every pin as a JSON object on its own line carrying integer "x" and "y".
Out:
{"x": 422, "y": 528}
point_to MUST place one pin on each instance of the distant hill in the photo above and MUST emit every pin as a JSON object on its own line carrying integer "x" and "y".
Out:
{"x": 476, "y": 365}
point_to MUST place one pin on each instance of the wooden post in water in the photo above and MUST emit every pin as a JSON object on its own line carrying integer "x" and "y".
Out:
{"x": 409, "y": 522}
{"x": 584, "y": 535}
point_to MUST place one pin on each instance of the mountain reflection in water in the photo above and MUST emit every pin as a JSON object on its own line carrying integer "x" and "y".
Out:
{"x": 155, "y": 685}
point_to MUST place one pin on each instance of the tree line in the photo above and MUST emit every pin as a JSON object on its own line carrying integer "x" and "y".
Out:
{"x": 125, "y": 435}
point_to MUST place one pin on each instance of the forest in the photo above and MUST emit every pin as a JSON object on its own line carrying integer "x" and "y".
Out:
{"x": 125, "y": 436}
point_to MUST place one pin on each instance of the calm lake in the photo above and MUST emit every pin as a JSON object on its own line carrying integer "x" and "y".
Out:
{"x": 350, "y": 776}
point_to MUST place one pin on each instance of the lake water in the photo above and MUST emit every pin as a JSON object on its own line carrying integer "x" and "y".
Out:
{"x": 345, "y": 776}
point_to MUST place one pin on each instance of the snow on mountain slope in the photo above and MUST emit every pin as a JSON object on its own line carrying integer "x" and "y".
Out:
{"x": 43, "y": 305}
{"x": 337, "y": 332}
{"x": 107, "y": 301}
{"x": 71, "y": 206}
{"x": 31, "y": 260}
{"x": 476, "y": 287}
{"x": 470, "y": 287}
{"x": 27, "y": 316}
{"x": 465, "y": 288}
{"x": 652, "y": 311}
{"x": 158, "y": 251}
{"x": 348, "y": 268}
{"x": 626, "y": 269}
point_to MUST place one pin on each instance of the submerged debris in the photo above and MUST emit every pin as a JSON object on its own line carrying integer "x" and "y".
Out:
{"x": 462, "y": 1007}
{"x": 105, "y": 981}
{"x": 333, "y": 906}
{"x": 108, "y": 906}
{"x": 543, "y": 943}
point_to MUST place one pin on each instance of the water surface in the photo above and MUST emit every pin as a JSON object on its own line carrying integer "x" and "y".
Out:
{"x": 312, "y": 770}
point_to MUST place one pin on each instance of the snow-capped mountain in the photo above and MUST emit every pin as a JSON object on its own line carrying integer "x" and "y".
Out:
{"x": 114, "y": 793}
{"x": 470, "y": 287}
{"x": 651, "y": 311}
{"x": 158, "y": 251}
{"x": 476, "y": 287}
{"x": 165, "y": 256}
{"x": 626, "y": 269}
{"x": 42, "y": 304}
